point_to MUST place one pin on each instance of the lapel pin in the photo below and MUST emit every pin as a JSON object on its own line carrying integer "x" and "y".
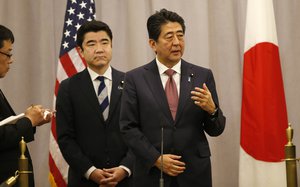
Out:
{"x": 120, "y": 87}
{"x": 190, "y": 77}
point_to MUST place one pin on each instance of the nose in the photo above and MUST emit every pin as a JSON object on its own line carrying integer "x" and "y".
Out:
{"x": 175, "y": 40}
{"x": 10, "y": 60}
{"x": 99, "y": 48}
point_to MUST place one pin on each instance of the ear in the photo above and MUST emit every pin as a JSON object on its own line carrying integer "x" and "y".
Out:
{"x": 80, "y": 51}
{"x": 152, "y": 44}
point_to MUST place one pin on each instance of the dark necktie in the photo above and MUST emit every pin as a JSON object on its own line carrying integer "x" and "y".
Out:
{"x": 103, "y": 97}
{"x": 171, "y": 92}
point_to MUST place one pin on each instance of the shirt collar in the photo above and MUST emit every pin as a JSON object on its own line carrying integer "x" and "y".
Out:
{"x": 162, "y": 68}
{"x": 94, "y": 75}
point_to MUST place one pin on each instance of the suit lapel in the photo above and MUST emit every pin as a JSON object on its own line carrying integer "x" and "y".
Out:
{"x": 86, "y": 85}
{"x": 153, "y": 81}
{"x": 5, "y": 108}
{"x": 186, "y": 84}
{"x": 116, "y": 92}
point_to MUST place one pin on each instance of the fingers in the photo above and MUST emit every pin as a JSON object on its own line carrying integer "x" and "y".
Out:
{"x": 38, "y": 115}
{"x": 200, "y": 95}
{"x": 107, "y": 174}
{"x": 205, "y": 87}
{"x": 175, "y": 170}
{"x": 178, "y": 163}
{"x": 171, "y": 164}
{"x": 176, "y": 167}
{"x": 118, "y": 174}
{"x": 176, "y": 157}
{"x": 108, "y": 182}
{"x": 202, "y": 98}
{"x": 48, "y": 114}
{"x": 201, "y": 92}
{"x": 175, "y": 160}
{"x": 111, "y": 178}
{"x": 109, "y": 170}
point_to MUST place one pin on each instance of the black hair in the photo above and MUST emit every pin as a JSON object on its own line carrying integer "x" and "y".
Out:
{"x": 160, "y": 18}
{"x": 5, "y": 34}
{"x": 92, "y": 26}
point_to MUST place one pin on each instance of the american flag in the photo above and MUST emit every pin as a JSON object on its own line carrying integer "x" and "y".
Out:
{"x": 69, "y": 63}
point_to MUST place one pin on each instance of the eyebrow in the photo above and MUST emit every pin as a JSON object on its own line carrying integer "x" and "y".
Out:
{"x": 102, "y": 40}
{"x": 178, "y": 31}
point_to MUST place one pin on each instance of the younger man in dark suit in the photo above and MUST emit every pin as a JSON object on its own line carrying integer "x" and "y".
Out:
{"x": 88, "y": 108}
{"x": 177, "y": 96}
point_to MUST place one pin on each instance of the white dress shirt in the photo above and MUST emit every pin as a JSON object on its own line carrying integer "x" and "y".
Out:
{"x": 108, "y": 83}
{"x": 164, "y": 77}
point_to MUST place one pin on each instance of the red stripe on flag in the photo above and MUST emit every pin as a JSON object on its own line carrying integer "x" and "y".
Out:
{"x": 68, "y": 65}
{"x": 56, "y": 87}
{"x": 264, "y": 115}
{"x": 53, "y": 127}
{"x": 60, "y": 182}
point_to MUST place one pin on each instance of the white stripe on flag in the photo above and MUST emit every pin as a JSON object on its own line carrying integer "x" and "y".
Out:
{"x": 61, "y": 73}
{"x": 260, "y": 23}
{"x": 54, "y": 101}
{"x": 58, "y": 159}
{"x": 257, "y": 173}
{"x": 77, "y": 61}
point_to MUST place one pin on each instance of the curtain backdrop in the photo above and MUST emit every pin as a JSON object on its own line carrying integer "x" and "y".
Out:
{"x": 214, "y": 39}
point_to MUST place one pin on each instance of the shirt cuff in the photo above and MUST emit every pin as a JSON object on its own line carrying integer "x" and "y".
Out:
{"x": 89, "y": 172}
{"x": 126, "y": 169}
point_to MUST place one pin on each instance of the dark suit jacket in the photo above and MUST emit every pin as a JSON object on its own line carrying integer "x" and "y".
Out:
{"x": 84, "y": 138}
{"x": 145, "y": 110}
{"x": 10, "y": 136}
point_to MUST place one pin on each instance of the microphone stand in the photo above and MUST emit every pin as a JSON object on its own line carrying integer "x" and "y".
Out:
{"x": 161, "y": 180}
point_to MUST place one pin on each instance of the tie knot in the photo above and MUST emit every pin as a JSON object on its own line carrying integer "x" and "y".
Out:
{"x": 169, "y": 72}
{"x": 100, "y": 78}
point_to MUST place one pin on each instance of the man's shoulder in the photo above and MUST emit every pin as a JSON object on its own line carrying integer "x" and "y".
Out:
{"x": 74, "y": 78}
{"x": 195, "y": 67}
{"x": 117, "y": 72}
{"x": 142, "y": 69}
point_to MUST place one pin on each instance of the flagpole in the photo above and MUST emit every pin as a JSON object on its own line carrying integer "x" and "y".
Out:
{"x": 290, "y": 159}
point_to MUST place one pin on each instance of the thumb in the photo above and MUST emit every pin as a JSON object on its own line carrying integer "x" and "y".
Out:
{"x": 176, "y": 157}
{"x": 109, "y": 170}
{"x": 205, "y": 87}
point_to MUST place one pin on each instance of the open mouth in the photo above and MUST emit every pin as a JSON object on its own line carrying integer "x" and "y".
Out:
{"x": 176, "y": 52}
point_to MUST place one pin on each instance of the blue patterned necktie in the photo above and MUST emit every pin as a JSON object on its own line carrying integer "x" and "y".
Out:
{"x": 103, "y": 97}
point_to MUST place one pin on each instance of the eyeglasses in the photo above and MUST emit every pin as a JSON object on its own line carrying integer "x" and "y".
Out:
{"x": 6, "y": 54}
